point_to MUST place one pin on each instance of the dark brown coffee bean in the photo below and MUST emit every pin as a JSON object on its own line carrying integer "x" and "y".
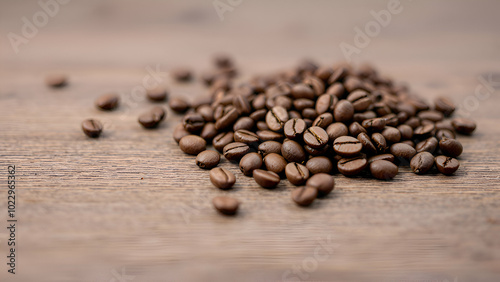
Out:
{"x": 424, "y": 130}
{"x": 304, "y": 196}
{"x": 407, "y": 108}
{"x": 301, "y": 104}
{"x": 450, "y": 147}
{"x": 193, "y": 122}
{"x": 294, "y": 114}
{"x": 442, "y": 133}
{"x": 222, "y": 139}
{"x": 323, "y": 182}
{"x": 250, "y": 162}
{"x": 323, "y": 73}
{"x": 259, "y": 115}
{"x": 268, "y": 135}
{"x": 245, "y": 136}
{"x": 385, "y": 157}
{"x": 326, "y": 103}
{"x": 226, "y": 205}
{"x": 266, "y": 179}
{"x": 379, "y": 142}
{"x": 422, "y": 162}
{"x": 275, "y": 163}
{"x": 206, "y": 112}
{"x": 179, "y": 132}
{"x": 355, "y": 129}
{"x": 433, "y": 116}
{"x": 406, "y": 131}
{"x": 92, "y": 128}
{"x": 315, "y": 84}
{"x": 157, "y": 94}
{"x": 268, "y": 147}
{"x": 360, "y": 117}
{"x": 227, "y": 119}
{"x": 391, "y": 120}
{"x": 413, "y": 122}
{"x": 391, "y": 134}
{"x": 419, "y": 104}
{"x": 375, "y": 124}
{"x": 347, "y": 146}
{"x": 294, "y": 128}
{"x": 336, "y": 89}
{"x": 276, "y": 118}
{"x": 309, "y": 113}
{"x": 152, "y": 118}
{"x": 444, "y": 105}
{"x": 338, "y": 75}
{"x": 383, "y": 170}
{"x": 293, "y": 151}
{"x": 182, "y": 74}
{"x": 344, "y": 111}
{"x": 323, "y": 120}
{"x": 244, "y": 123}
{"x": 302, "y": 90}
{"x": 403, "y": 151}
{"x": 409, "y": 142}
{"x": 320, "y": 164}
{"x": 56, "y": 80}
{"x": 446, "y": 165}
{"x": 336, "y": 130}
{"x": 360, "y": 100}
{"x": 107, "y": 102}
{"x": 296, "y": 173}
{"x": 315, "y": 137}
{"x": 208, "y": 132}
{"x": 352, "y": 83}
{"x": 192, "y": 144}
{"x": 367, "y": 144}
{"x": 381, "y": 109}
{"x": 178, "y": 105}
{"x": 235, "y": 151}
{"x": 352, "y": 166}
{"x": 207, "y": 159}
{"x": 428, "y": 145}
{"x": 241, "y": 104}
{"x": 259, "y": 102}
{"x": 463, "y": 125}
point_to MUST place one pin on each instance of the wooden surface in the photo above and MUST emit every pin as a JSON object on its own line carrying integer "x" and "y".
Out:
{"x": 131, "y": 201}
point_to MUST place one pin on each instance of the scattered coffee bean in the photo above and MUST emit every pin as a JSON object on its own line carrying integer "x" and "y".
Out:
{"x": 403, "y": 151}
{"x": 347, "y": 146}
{"x": 444, "y": 105}
{"x": 296, "y": 173}
{"x": 374, "y": 124}
{"x": 178, "y": 105}
{"x": 192, "y": 144}
{"x": 179, "y": 132}
{"x": 222, "y": 139}
{"x": 422, "y": 162}
{"x": 193, "y": 122}
{"x": 315, "y": 137}
{"x": 442, "y": 133}
{"x": 463, "y": 125}
{"x": 323, "y": 120}
{"x": 222, "y": 178}
{"x": 268, "y": 147}
{"x": 383, "y": 170}
{"x": 326, "y": 103}
{"x": 428, "y": 145}
{"x": 352, "y": 166}
{"x": 304, "y": 196}
{"x": 266, "y": 179}
{"x": 344, "y": 111}
{"x": 157, "y": 94}
{"x": 226, "y": 205}
{"x": 107, "y": 102}
{"x": 450, "y": 147}
{"x": 355, "y": 129}
{"x": 208, "y": 132}
{"x": 275, "y": 163}
{"x": 235, "y": 151}
{"x": 244, "y": 123}
{"x": 406, "y": 131}
{"x": 182, "y": 74}
{"x": 56, "y": 80}
{"x": 207, "y": 159}
{"x": 250, "y": 162}
{"x": 246, "y": 136}
{"x": 227, "y": 119}
{"x": 276, "y": 118}
{"x": 446, "y": 165}
{"x": 152, "y": 118}
{"x": 391, "y": 134}
{"x": 268, "y": 135}
{"x": 92, "y": 128}
{"x": 367, "y": 144}
{"x": 294, "y": 128}
{"x": 293, "y": 151}
{"x": 323, "y": 182}
{"x": 319, "y": 164}
{"x": 336, "y": 130}
{"x": 385, "y": 157}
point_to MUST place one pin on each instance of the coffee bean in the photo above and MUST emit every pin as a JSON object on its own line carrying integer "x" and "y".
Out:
{"x": 413, "y": 122}
{"x": 444, "y": 124}
{"x": 367, "y": 144}
{"x": 336, "y": 89}
{"x": 323, "y": 120}
{"x": 266, "y": 179}
{"x": 323, "y": 73}
{"x": 157, "y": 94}
{"x": 206, "y": 112}
{"x": 445, "y": 133}
{"x": 315, "y": 84}
{"x": 222, "y": 178}
{"x": 424, "y": 131}
{"x": 463, "y": 125}
{"x": 444, "y": 105}
{"x": 92, "y": 128}
{"x": 391, "y": 134}
{"x": 315, "y": 137}
{"x": 428, "y": 145}
{"x": 323, "y": 182}
{"x": 294, "y": 114}
{"x": 107, "y": 102}
{"x": 383, "y": 170}
{"x": 294, "y": 128}
{"x": 226, "y": 205}
{"x": 245, "y": 136}
{"x": 262, "y": 125}
{"x": 406, "y": 131}
{"x": 433, "y": 116}
{"x": 181, "y": 74}
{"x": 207, "y": 159}
{"x": 276, "y": 118}
{"x": 235, "y": 151}
{"x": 208, "y": 132}
{"x": 326, "y": 103}
{"x": 241, "y": 104}
{"x": 250, "y": 162}
{"x": 409, "y": 142}
{"x": 193, "y": 122}
{"x": 344, "y": 111}
{"x": 293, "y": 151}
{"x": 385, "y": 157}
{"x": 302, "y": 90}
{"x": 268, "y": 135}
{"x": 192, "y": 144}
{"x": 304, "y": 196}
{"x": 178, "y": 105}
{"x": 355, "y": 129}
{"x": 269, "y": 147}
{"x": 352, "y": 83}
{"x": 56, "y": 80}
{"x": 222, "y": 139}
{"x": 403, "y": 151}
{"x": 227, "y": 119}
{"x": 352, "y": 166}
{"x": 296, "y": 173}
{"x": 375, "y": 124}
{"x": 446, "y": 165}
{"x": 244, "y": 123}
{"x": 319, "y": 164}
{"x": 259, "y": 115}
{"x": 360, "y": 117}
{"x": 422, "y": 162}
{"x": 360, "y": 100}
{"x": 338, "y": 75}
{"x": 391, "y": 120}
{"x": 336, "y": 130}
{"x": 179, "y": 132}
{"x": 152, "y": 118}
{"x": 450, "y": 147}
{"x": 301, "y": 104}
{"x": 309, "y": 113}
{"x": 347, "y": 146}
{"x": 275, "y": 163}
{"x": 379, "y": 142}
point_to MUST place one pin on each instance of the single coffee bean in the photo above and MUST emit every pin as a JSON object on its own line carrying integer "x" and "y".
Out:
{"x": 235, "y": 151}
{"x": 379, "y": 142}
{"x": 419, "y": 104}
{"x": 227, "y": 119}
{"x": 338, "y": 75}
{"x": 433, "y": 116}
{"x": 317, "y": 152}
{"x": 385, "y": 157}
{"x": 352, "y": 166}
{"x": 428, "y": 145}
{"x": 152, "y": 118}
{"x": 192, "y": 144}
{"x": 206, "y": 112}
{"x": 241, "y": 103}
{"x": 268, "y": 135}
{"x": 360, "y": 100}
{"x": 409, "y": 142}
{"x": 245, "y": 136}
{"x": 424, "y": 130}
{"x": 347, "y": 146}
{"x": 302, "y": 90}
{"x": 367, "y": 144}
{"x": 391, "y": 120}
{"x": 336, "y": 89}
{"x": 315, "y": 84}
{"x": 309, "y": 113}
{"x": 294, "y": 128}
{"x": 323, "y": 182}
{"x": 226, "y": 205}
{"x": 336, "y": 130}
{"x": 444, "y": 105}
{"x": 403, "y": 151}
{"x": 268, "y": 147}
{"x": 352, "y": 83}
{"x": 250, "y": 162}
{"x": 315, "y": 137}
{"x": 355, "y": 129}
{"x": 266, "y": 179}
{"x": 463, "y": 125}
{"x": 383, "y": 170}
{"x": 413, "y": 122}
{"x": 258, "y": 115}
{"x": 182, "y": 74}
{"x": 301, "y": 104}
{"x": 208, "y": 132}
{"x": 178, "y": 105}
{"x": 276, "y": 118}
{"x": 244, "y": 123}
{"x": 262, "y": 125}
{"x": 381, "y": 109}
{"x": 445, "y": 133}
{"x": 344, "y": 111}
{"x": 193, "y": 122}
{"x": 320, "y": 164}
{"x": 323, "y": 73}
{"x": 446, "y": 165}
{"x": 296, "y": 173}
{"x": 294, "y": 114}
{"x": 275, "y": 163}
{"x": 391, "y": 134}
{"x": 107, "y": 102}
{"x": 92, "y": 128}
{"x": 444, "y": 124}
{"x": 450, "y": 147}
{"x": 326, "y": 103}
{"x": 293, "y": 151}
{"x": 157, "y": 94}
{"x": 208, "y": 159}
{"x": 406, "y": 131}
{"x": 407, "y": 108}
{"x": 422, "y": 162}
{"x": 375, "y": 124}
{"x": 323, "y": 120}
{"x": 179, "y": 132}
{"x": 222, "y": 178}
{"x": 222, "y": 139}
{"x": 304, "y": 196}
{"x": 56, "y": 80}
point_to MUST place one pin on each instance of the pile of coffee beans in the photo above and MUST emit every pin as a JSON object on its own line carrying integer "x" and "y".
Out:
{"x": 305, "y": 124}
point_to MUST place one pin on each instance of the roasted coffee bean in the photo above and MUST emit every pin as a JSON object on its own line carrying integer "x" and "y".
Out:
{"x": 433, "y": 116}
{"x": 347, "y": 146}
{"x": 352, "y": 166}
{"x": 244, "y": 123}
{"x": 323, "y": 182}
{"x": 206, "y": 112}
{"x": 315, "y": 137}
{"x": 228, "y": 119}
{"x": 302, "y": 90}
{"x": 422, "y": 162}
{"x": 450, "y": 147}
{"x": 293, "y": 151}
{"x": 326, "y": 103}
{"x": 379, "y": 142}
{"x": 294, "y": 114}
{"x": 266, "y": 179}
{"x": 444, "y": 105}
{"x": 424, "y": 130}
{"x": 336, "y": 130}
{"x": 344, "y": 111}
{"x": 383, "y": 170}
{"x": 336, "y": 89}
{"x": 320, "y": 164}
{"x": 360, "y": 100}
{"x": 192, "y": 144}
{"x": 245, "y": 136}
{"x": 179, "y": 132}
{"x": 323, "y": 73}
{"x": 193, "y": 122}
{"x": 360, "y": 117}
{"x": 207, "y": 159}
{"x": 413, "y": 122}
{"x": 259, "y": 102}
{"x": 316, "y": 84}
{"x": 463, "y": 125}
{"x": 407, "y": 108}
{"x": 276, "y": 118}
{"x": 323, "y": 120}
{"x": 152, "y": 118}
{"x": 419, "y": 104}
{"x": 268, "y": 147}
{"x": 296, "y": 173}
{"x": 408, "y": 142}
{"x": 352, "y": 83}
{"x": 367, "y": 144}
{"x": 317, "y": 152}
{"x": 428, "y": 145}
{"x": 226, "y": 205}
{"x": 92, "y": 128}
{"x": 178, "y": 105}
{"x": 275, "y": 163}
{"x": 385, "y": 157}
{"x": 375, "y": 124}
{"x": 406, "y": 131}
{"x": 157, "y": 94}
{"x": 268, "y": 135}
{"x": 338, "y": 75}
{"x": 182, "y": 74}
{"x": 262, "y": 125}
{"x": 107, "y": 102}
{"x": 56, "y": 80}
{"x": 301, "y": 104}
{"x": 355, "y": 129}
{"x": 304, "y": 196}
{"x": 235, "y": 151}
{"x": 309, "y": 113}
{"x": 259, "y": 115}
{"x": 294, "y": 128}
{"x": 403, "y": 151}
{"x": 445, "y": 133}
{"x": 250, "y": 162}
{"x": 446, "y": 165}
{"x": 391, "y": 120}
{"x": 391, "y": 134}
{"x": 208, "y": 132}
{"x": 222, "y": 139}
{"x": 282, "y": 101}
{"x": 381, "y": 109}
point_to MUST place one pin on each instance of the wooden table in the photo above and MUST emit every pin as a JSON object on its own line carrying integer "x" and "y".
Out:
{"x": 131, "y": 206}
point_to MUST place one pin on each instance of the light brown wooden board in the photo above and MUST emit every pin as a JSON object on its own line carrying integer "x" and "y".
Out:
{"x": 132, "y": 201}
